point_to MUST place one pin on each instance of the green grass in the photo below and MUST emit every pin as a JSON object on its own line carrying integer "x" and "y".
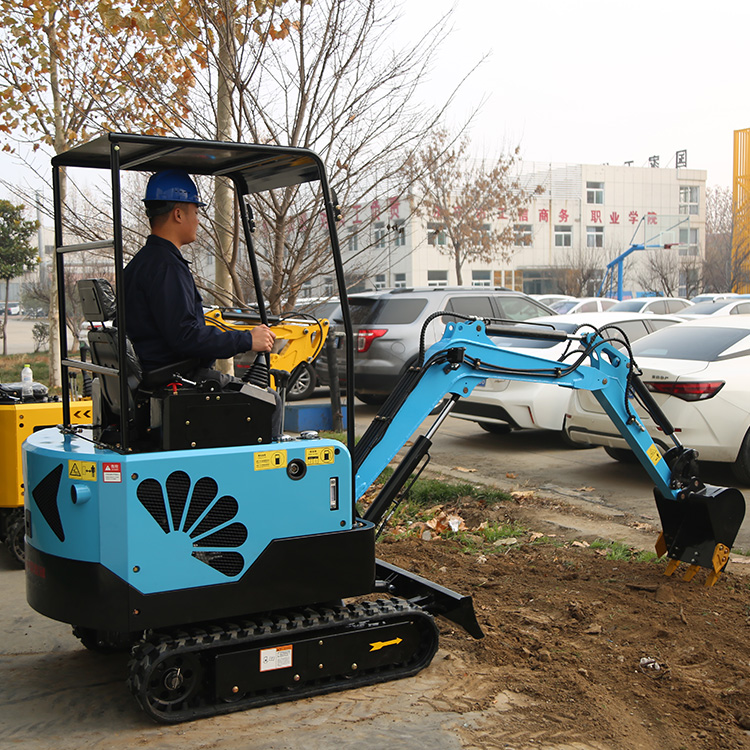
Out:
{"x": 11, "y": 364}
{"x": 620, "y": 551}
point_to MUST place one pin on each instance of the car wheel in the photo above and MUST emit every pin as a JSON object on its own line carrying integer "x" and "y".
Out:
{"x": 741, "y": 467}
{"x": 372, "y": 399}
{"x": 496, "y": 428}
{"x": 303, "y": 383}
{"x": 624, "y": 455}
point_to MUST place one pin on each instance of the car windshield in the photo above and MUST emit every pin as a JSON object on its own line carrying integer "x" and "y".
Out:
{"x": 689, "y": 342}
{"x": 385, "y": 311}
{"x": 563, "y": 305}
{"x": 706, "y": 308}
{"x": 630, "y": 305}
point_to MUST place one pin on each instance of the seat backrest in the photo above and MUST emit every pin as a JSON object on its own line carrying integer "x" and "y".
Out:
{"x": 99, "y": 306}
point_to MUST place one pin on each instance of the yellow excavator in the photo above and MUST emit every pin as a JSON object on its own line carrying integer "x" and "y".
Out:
{"x": 299, "y": 339}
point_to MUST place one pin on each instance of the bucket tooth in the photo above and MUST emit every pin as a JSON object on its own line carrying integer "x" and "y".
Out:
{"x": 672, "y": 565}
{"x": 690, "y": 573}
{"x": 661, "y": 546}
{"x": 720, "y": 560}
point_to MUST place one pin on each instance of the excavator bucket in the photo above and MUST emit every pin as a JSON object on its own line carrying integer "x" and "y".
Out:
{"x": 700, "y": 529}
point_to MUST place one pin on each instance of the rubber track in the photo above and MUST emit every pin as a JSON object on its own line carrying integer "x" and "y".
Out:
{"x": 251, "y": 633}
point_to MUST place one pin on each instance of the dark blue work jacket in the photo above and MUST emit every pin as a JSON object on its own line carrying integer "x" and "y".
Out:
{"x": 164, "y": 312}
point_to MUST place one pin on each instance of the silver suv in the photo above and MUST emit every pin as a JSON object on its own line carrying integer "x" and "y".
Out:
{"x": 388, "y": 324}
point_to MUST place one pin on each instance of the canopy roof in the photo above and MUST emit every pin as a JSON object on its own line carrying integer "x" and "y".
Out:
{"x": 256, "y": 167}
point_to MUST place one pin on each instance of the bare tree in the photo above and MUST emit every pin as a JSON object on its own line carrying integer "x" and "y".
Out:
{"x": 727, "y": 264}
{"x": 475, "y": 203}
{"x": 581, "y": 271}
{"x": 663, "y": 271}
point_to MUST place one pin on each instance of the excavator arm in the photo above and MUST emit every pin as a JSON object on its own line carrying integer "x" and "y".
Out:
{"x": 700, "y": 522}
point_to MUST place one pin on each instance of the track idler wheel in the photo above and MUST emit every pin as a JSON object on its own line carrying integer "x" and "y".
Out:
{"x": 700, "y": 529}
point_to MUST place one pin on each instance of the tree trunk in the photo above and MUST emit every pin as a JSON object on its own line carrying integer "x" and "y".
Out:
{"x": 5, "y": 318}
{"x": 223, "y": 202}
{"x": 458, "y": 264}
{"x": 55, "y": 369}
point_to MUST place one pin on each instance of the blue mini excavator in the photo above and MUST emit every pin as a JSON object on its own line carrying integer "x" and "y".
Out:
{"x": 237, "y": 570}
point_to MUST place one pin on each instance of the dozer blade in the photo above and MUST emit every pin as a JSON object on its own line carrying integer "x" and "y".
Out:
{"x": 700, "y": 529}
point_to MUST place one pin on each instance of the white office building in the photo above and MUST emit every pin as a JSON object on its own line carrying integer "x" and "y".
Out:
{"x": 583, "y": 214}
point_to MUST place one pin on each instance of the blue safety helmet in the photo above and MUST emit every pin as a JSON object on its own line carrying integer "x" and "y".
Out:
{"x": 172, "y": 185}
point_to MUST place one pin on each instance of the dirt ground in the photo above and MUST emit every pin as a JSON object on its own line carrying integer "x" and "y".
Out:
{"x": 582, "y": 651}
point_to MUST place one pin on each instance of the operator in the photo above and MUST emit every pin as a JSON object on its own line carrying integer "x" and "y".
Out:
{"x": 164, "y": 311}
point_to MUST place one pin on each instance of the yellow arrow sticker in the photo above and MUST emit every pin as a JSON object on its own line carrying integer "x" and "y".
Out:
{"x": 382, "y": 644}
{"x": 85, "y": 470}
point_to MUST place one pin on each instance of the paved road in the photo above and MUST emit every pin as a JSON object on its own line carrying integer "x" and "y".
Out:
{"x": 20, "y": 338}
{"x": 538, "y": 459}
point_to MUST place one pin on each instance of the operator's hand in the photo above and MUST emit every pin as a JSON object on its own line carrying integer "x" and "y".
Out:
{"x": 263, "y": 338}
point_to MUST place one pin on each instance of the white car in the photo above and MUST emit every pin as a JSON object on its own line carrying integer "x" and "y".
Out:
{"x": 652, "y": 305}
{"x": 548, "y": 299}
{"x": 698, "y": 374}
{"x": 713, "y": 297}
{"x": 500, "y": 405}
{"x": 734, "y": 306}
{"x": 583, "y": 305}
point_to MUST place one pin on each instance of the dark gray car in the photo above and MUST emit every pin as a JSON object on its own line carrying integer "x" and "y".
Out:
{"x": 388, "y": 325}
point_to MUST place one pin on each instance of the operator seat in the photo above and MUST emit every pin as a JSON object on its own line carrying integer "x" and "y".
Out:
{"x": 195, "y": 415}
{"x": 99, "y": 309}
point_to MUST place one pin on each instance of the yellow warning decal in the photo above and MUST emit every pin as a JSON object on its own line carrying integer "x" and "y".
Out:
{"x": 317, "y": 456}
{"x": 270, "y": 460}
{"x": 653, "y": 454}
{"x": 85, "y": 470}
{"x": 382, "y": 644}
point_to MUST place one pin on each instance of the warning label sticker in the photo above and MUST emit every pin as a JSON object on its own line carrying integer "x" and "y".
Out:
{"x": 316, "y": 456}
{"x": 112, "y": 472}
{"x": 270, "y": 460}
{"x": 275, "y": 658}
{"x": 85, "y": 470}
{"x": 653, "y": 454}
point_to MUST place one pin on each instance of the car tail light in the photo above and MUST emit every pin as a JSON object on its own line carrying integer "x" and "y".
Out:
{"x": 688, "y": 391}
{"x": 366, "y": 336}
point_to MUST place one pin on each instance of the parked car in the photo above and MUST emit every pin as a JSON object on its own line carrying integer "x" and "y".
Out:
{"x": 499, "y": 405}
{"x": 388, "y": 326}
{"x": 697, "y": 372}
{"x": 732, "y": 306}
{"x": 713, "y": 297}
{"x": 583, "y": 305}
{"x": 548, "y": 299}
{"x": 653, "y": 305}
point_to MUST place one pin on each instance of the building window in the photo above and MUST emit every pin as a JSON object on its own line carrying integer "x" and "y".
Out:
{"x": 399, "y": 232}
{"x": 689, "y": 199}
{"x": 435, "y": 234}
{"x": 381, "y": 234}
{"x": 522, "y": 235}
{"x": 437, "y": 278}
{"x": 352, "y": 242}
{"x": 595, "y": 192}
{"x": 328, "y": 286}
{"x": 481, "y": 278}
{"x": 594, "y": 236}
{"x": 380, "y": 281}
{"x": 399, "y": 281}
{"x": 563, "y": 236}
{"x": 688, "y": 241}
{"x": 306, "y": 290}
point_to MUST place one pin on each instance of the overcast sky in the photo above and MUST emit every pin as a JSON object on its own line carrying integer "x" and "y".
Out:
{"x": 602, "y": 81}
{"x": 590, "y": 81}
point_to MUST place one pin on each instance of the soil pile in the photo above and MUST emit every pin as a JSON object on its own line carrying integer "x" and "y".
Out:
{"x": 582, "y": 651}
